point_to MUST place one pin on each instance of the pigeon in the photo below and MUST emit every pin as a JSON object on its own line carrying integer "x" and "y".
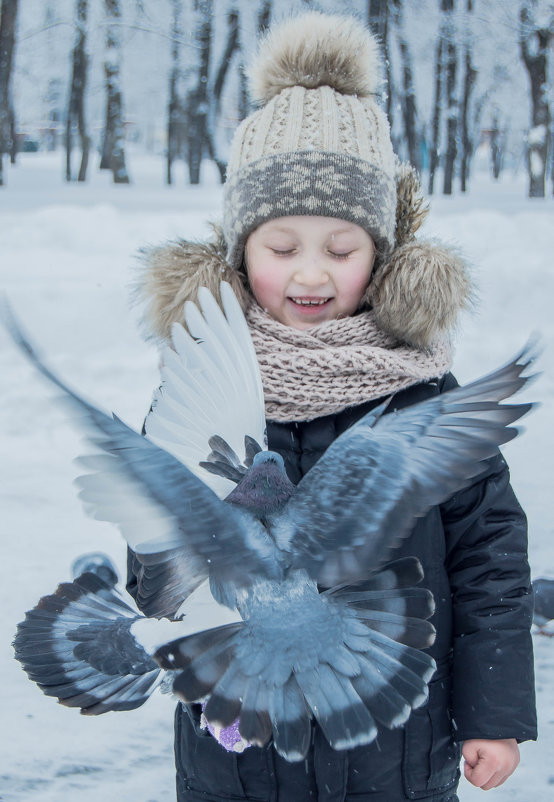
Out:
{"x": 272, "y": 604}
{"x": 543, "y": 613}
{"x": 95, "y": 562}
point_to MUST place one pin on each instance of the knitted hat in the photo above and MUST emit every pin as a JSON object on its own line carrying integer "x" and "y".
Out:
{"x": 321, "y": 144}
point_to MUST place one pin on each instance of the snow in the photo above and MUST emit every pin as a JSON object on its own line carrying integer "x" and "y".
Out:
{"x": 537, "y": 135}
{"x": 537, "y": 164}
{"x": 66, "y": 263}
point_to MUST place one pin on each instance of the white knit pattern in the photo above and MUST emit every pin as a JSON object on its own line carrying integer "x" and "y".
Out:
{"x": 314, "y": 119}
{"x": 342, "y": 363}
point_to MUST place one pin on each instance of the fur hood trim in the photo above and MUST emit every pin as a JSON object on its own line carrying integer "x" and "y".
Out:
{"x": 417, "y": 293}
{"x": 171, "y": 274}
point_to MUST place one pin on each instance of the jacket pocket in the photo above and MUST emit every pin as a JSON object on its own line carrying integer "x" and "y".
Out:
{"x": 431, "y": 757}
{"x": 203, "y": 765}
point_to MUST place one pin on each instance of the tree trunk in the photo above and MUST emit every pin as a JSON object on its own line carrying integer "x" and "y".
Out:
{"x": 496, "y": 151}
{"x": 451, "y": 65}
{"x": 445, "y": 84}
{"x": 408, "y": 98}
{"x": 176, "y": 123}
{"x": 197, "y": 105}
{"x": 232, "y": 46}
{"x": 437, "y": 107}
{"x": 76, "y": 106}
{"x": 8, "y": 17}
{"x": 264, "y": 16}
{"x": 470, "y": 76}
{"x": 534, "y": 43}
{"x": 552, "y": 160}
{"x": 113, "y": 148}
{"x": 378, "y": 19}
{"x": 13, "y": 136}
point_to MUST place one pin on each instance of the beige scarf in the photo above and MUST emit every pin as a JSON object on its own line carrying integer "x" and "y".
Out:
{"x": 342, "y": 363}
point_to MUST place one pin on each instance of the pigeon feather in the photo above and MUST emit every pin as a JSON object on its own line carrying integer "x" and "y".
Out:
{"x": 375, "y": 480}
{"x": 284, "y": 653}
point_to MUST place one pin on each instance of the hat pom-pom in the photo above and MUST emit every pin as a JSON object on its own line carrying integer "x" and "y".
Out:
{"x": 315, "y": 50}
{"x": 418, "y": 294}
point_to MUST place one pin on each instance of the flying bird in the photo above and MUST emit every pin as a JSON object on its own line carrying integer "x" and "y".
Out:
{"x": 273, "y": 604}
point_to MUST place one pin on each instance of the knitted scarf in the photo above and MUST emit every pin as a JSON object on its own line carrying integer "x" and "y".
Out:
{"x": 342, "y": 363}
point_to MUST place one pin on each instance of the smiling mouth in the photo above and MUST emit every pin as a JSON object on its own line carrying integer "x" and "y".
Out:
{"x": 310, "y": 301}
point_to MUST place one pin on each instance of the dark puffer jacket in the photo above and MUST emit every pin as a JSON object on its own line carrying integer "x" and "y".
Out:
{"x": 473, "y": 551}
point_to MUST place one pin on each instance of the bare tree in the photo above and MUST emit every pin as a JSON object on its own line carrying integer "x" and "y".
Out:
{"x": 497, "y": 149}
{"x": 264, "y": 15}
{"x": 534, "y": 40}
{"x": 434, "y": 153}
{"x": 445, "y": 90}
{"x": 195, "y": 108}
{"x": 552, "y": 160}
{"x": 378, "y": 13}
{"x": 113, "y": 147}
{"x": 176, "y": 118}
{"x": 262, "y": 24}
{"x": 407, "y": 96}
{"x": 450, "y": 65}
{"x": 232, "y": 46}
{"x": 53, "y": 96}
{"x": 76, "y": 105}
{"x": 8, "y": 17}
{"x": 197, "y": 98}
{"x": 469, "y": 79}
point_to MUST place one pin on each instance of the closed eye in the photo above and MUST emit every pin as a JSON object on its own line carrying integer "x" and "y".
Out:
{"x": 340, "y": 255}
{"x": 288, "y": 252}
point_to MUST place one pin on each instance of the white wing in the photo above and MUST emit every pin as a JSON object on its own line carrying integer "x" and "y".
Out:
{"x": 211, "y": 387}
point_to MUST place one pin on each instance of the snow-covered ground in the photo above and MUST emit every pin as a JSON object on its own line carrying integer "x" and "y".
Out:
{"x": 66, "y": 262}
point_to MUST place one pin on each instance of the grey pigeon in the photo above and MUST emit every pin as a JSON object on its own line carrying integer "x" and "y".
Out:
{"x": 95, "y": 562}
{"x": 307, "y": 614}
{"x": 543, "y": 595}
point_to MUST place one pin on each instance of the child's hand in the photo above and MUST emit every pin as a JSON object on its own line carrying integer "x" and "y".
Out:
{"x": 489, "y": 763}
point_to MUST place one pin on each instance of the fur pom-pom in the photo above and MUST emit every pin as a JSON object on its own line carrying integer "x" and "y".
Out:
{"x": 314, "y": 50}
{"x": 418, "y": 294}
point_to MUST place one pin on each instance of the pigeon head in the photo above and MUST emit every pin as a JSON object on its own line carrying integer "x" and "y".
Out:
{"x": 265, "y": 487}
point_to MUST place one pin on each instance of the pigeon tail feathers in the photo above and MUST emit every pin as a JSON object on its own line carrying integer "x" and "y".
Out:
{"x": 76, "y": 644}
{"x": 352, "y": 667}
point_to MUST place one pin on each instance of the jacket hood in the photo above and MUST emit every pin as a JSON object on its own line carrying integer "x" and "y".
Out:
{"x": 417, "y": 293}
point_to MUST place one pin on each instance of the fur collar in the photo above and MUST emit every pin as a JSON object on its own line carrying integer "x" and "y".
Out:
{"x": 416, "y": 294}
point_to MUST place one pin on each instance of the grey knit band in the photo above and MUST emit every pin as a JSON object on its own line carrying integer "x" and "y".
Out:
{"x": 308, "y": 182}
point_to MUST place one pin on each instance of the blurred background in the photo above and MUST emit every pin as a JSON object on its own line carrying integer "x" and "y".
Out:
{"x": 102, "y": 80}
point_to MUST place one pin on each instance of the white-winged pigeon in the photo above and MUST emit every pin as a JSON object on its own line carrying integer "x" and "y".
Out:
{"x": 201, "y": 500}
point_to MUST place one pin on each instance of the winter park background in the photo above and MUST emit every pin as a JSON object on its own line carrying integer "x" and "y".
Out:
{"x": 67, "y": 262}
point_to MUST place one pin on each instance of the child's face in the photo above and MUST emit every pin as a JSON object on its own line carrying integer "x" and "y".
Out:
{"x": 305, "y": 270}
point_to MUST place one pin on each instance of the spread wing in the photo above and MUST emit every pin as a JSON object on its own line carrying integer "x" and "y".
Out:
{"x": 209, "y": 411}
{"x": 373, "y": 482}
{"x": 163, "y": 510}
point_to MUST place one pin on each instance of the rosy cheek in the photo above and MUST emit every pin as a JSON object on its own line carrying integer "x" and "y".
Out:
{"x": 356, "y": 284}
{"x": 265, "y": 286}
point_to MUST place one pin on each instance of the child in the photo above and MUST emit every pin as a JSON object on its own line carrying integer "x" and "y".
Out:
{"x": 346, "y": 308}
